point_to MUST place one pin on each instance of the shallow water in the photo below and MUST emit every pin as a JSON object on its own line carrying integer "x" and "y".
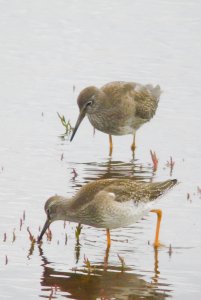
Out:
{"x": 49, "y": 52}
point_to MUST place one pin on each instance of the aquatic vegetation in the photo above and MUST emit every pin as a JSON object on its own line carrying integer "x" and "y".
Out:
{"x": 67, "y": 124}
{"x": 66, "y": 239}
{"x": 31, "y": 237}
{"x": 88, "y": 265}
{"x": 199, "y": 190}
{"x": 170, "y": 164}
{"x": 78, "y": 231}
{"x": 122, "y": 261}
{"x": 14, "y": 236}
{"x": 4, "y": 237}
{"x": 154, "y": 160}
{"x": 75, "y": 174}
{"x": 49, "y": 234}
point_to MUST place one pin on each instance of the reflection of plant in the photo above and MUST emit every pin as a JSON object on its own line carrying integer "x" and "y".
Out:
{"x": 78, "y": 231}
{"x": 49, "y": 234}
{"x": 123, "y": 265}
{"x": 88, "y": 264}
{"x": 31, "y": 237}
{"x": 170, "y": 164}
{"x": 67, "y": 124}
{"x": 154, "y": 160}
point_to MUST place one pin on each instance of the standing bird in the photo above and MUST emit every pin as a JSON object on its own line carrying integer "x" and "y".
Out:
{"x": 108, "y": 203}
{"x": 118, "y": 108}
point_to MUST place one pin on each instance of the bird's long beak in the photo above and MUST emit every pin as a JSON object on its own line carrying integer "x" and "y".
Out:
{"x": 45, "y": 227}
{"x": 79, "y": 120}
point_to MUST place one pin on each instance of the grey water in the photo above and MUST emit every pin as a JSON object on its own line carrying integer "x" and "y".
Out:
{"x": 50, "y": 51}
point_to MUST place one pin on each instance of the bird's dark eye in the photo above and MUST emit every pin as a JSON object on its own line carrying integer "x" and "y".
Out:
{"x": 89, "y": 103}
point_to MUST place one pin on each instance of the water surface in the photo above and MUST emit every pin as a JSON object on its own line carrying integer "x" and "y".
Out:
{"x": 49, "y": 52}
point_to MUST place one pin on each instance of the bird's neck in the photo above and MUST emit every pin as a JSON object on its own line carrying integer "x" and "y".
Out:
{"x": 65, "y": 210}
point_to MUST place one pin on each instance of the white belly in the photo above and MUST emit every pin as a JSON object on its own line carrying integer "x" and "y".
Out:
{"x": 124, "y": 214}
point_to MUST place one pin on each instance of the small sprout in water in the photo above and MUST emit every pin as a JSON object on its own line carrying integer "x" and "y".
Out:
{"x": 21, "y": 224}
{"x": 62, "y": 156}
{"x": 170, "y": 164}
{"x": 31, "y": 237}
{"x": 88, "y": 264}
{"x": 51, "y": 294}
{"x": 14, "y": 236}
{"x": 170, "y": 250}
{"x": 4, "y": 237}
{"x": 24, "y": 215}
{"x": 75, "y": 174}
{"x": 154, "y": 160}
{"x": 66, "y": 239}
{"x": 122, "y": 261}
{"x": 67, "y": 124}
{"x": 189, "y": 197}
{"x": 73, "y": 88}
{"x": 78, "y": 231}
{"x": 6, "y": 260}
{"x": 49, "y": 234}
{"x": 199, "y": 190}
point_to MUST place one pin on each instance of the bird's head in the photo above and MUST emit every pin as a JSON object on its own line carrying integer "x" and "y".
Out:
{"x": 54, "y": 211}
{"x": 88, "y": 102}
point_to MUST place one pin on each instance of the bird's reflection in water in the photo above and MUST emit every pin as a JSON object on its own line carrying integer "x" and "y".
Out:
{"x": 103, "y": 282}
{"x": 112, "y": 169}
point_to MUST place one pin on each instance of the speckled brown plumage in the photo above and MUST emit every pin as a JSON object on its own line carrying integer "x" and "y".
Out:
{"x": 119, "y": 107}
{"x": 106, "y": 203}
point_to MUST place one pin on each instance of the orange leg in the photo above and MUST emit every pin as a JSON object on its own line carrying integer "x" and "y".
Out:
{"x": 111, "y": 146}
{"x": 133, "y": 146}
{"x": 159, "y": 217}
{"x": 108, "y": 239}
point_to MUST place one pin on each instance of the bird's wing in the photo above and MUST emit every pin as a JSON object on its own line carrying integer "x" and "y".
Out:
{"x": 118, "y": 89}
{"x": 126, "y": 190}
{"x": 88, "y": 192}
{"x": 122, "y": 190}
{"x": 146, "y": 97}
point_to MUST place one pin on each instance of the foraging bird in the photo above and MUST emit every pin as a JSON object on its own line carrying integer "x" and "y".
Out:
{"x": 108, "y": 203}
{"x": 118, "y": 108}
